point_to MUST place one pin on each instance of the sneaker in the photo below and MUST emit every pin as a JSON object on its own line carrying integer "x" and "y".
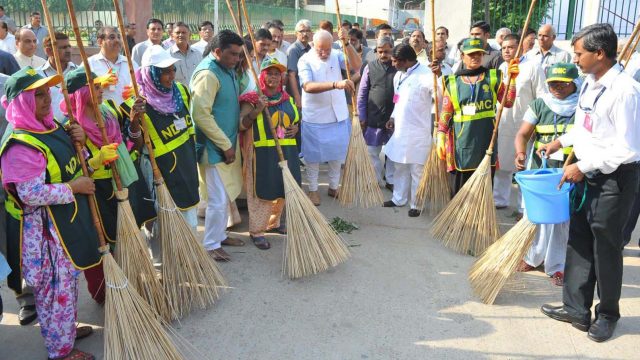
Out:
{"x": 27, "y": 314}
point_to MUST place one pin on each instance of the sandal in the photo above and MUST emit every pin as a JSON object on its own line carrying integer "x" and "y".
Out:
{"x": 557, "y": 278}
{"x": 282, "y": 230}
{"x": 83, "y": 331}
{"x": 260, "y": 242}
{"x": 75, "y": 354}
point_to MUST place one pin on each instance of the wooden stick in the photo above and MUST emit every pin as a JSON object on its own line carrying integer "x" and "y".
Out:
{"x": 94, "y": 98}
{"x": 253, "y": 70}
{"x": 76, "y": 145}
{"x": 504, "y": 96}
{"x": 634, "y": 34}
{"x": 433, "y": 58}
{"x": 346, "y": 63}
{"x": 632, "y": 50}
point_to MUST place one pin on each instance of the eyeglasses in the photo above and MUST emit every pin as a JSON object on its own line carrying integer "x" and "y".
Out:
{"x": 558, "y": 85}
{"x": 304, "y": 31}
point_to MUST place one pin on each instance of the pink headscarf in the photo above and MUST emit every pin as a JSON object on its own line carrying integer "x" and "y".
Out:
{"x": 164, "y": 100}
{"x": 20, "y": 113}
{"x": 80, "y": 101}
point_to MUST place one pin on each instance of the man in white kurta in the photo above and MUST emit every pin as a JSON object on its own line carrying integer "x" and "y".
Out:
{"x": 411, "y": 124}
{"x": 529, "y": 86}
{"x": 325, "y": 116}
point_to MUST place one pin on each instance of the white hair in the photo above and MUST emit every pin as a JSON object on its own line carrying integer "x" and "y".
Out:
{"x": 303, "y": 23}
{"x": 553, "y": 29}
{"x": 504, "y": 30}
{"x": 322, "y": 35}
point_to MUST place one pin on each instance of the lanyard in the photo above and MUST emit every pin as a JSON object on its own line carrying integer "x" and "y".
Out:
{"x": 589, "y": 110}
{"x": 555, "y": 126}
{"x": 409, "y": 72}
{"x": 474, "y": 95}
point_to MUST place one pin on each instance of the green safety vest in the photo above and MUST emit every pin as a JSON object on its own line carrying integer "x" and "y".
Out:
{"x": 174, "y": 150}
{"x": 73, "y": 221}
{"x": 546, "y": 131}
{"x": 267, "y": 179}
{"x": 472, "y": 133}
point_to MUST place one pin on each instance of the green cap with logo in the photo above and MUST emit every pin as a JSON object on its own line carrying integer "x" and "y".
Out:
{"x": 272, "y": 62}
{"x": 27, "y": 79}
{"x": 564, "y": 72}
{"x": 471, "y": 45}
{"x": 77, "y": 78}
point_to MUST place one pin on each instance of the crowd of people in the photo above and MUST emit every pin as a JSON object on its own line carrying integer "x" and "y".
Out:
{"x": 205, "y": 116}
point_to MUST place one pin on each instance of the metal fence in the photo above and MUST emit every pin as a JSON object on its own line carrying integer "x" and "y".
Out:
{"x": 622, "y": 15}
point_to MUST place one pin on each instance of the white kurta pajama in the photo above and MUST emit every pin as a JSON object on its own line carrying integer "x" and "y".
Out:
{"x": 530, "y": 84}
{"x": 411, "y": 140}
{"x": 325, "y": 118}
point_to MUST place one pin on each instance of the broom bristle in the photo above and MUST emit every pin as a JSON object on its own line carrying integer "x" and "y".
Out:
{"x": 132, "y": 255}
{"x": 492, "y": 270}
{"x": 189, "y": 275}
{"x": 468, "y": 224}
{"x": 359, "y": 181}
{"x": 312, "y": 244}
{"x": 434, "y": 187}
{"x": 132, "y": 330}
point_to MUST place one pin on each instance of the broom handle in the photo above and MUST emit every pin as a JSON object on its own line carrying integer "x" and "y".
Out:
{"x": 632, "y": 50}
{"x": 433, "y": 58}
{"x": 346, "y": 63}
{"x": 245, "y": 13}
{"x": 255, "y": 75}
{"x": 157, "y": 176}
{"x": 94, "y": 98}
{"x": 510, "y": 77}
{"x": 65, "y": 93}
{"x": 623, "y": 53}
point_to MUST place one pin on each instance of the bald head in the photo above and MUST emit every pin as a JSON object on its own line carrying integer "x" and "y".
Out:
{"x": 322, "y": 41}
{"x": 26, "y": 42}
{"x": 546, "y": 37}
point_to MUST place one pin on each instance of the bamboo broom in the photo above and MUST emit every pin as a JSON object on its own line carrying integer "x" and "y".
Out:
{"x": 468, "y": 224}
{"x": 312, "y": 245}
{"x": 491, "y": 271}
{"x": 132, "y": 328}
{"x": 359, "y": 180}
{"x": 189, "y": 275}
{"x": 434, "y": 186}
{"x": 627, "y": 47}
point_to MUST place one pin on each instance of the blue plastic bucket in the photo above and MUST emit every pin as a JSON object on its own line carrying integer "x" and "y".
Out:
{"x": 545, "y": 204}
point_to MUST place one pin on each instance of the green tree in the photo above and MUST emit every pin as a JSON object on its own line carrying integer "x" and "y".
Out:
{"x": 510, "y": 13}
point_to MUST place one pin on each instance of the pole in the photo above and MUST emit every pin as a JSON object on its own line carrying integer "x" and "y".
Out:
{"x": 433, "y": 59}
{"x": 216, "y": 15}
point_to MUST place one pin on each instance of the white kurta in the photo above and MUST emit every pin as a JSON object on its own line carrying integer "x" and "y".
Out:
{"x": 411, "y": 139}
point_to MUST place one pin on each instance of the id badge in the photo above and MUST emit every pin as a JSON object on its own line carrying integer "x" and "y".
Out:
{"x": 469, "y": 110}
{"x": 396, "y": 97}
{"x": 180, "y": 123}
{"x": 588, "y": 122}
{"x": 558, "y": 155}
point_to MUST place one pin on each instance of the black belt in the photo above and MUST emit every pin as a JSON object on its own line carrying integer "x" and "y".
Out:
{"x": 627, "y": 166}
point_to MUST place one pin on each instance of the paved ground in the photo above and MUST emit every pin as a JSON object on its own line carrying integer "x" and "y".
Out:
{"x": 402, "y": 296}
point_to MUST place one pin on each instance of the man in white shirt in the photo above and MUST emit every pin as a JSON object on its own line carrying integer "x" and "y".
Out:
{"x": 26, "y": 43}
{"x": 452, "y": 53}
{"x": 206, "y": 34}
{"x": 530, "y": 84}
{"x": 325, "y": 116}
{"x": 606, "y": 142}
{"x": 276, "y": 41}
{"x": 633, "y": 66}
{"x": 546, "y": 53}
{"x": 419, "y": 44}
{"x": 7, "y": 40}
{"x": 283, "y": 45}
{"x": 411, "y": 140}
{"x": 110, "y": 60}
{"x": 188, "y": 56}
{"x": 49, "y": 69}
{"x": 500, "y": 34}
{"x": 155, "y": 29}
{"x": 40, "y": 31}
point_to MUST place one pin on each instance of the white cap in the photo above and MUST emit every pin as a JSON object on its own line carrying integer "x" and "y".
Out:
{"x": 157, "y": 56}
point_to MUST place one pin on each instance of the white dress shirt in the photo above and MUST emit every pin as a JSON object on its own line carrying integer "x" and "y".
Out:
{"x": 8, "y": 44}
{"x": 100, "y": 66}
{"x": 56, "y": 91}
{"x": 328, "y": 106}
{"x": 554, "y": 55}
{"x": 139, "y": 49}
{"x": 614, "y": 138}
{"x": 633, "y": 67}
{"x": 187, "y": 64}
{"x": 34, "y": 61}
{"x": 411, "y": 139}
{"x": 200, "y": 45}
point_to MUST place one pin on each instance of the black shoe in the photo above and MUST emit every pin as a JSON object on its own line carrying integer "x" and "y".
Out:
{"x": 414, "y": 213}
{"x": 558, "y": 313}
{"x": 389, "y": 203}
{"x": 389, "y": 186}
{"x": 602, "y": 329}
{"x": 27, "y": 314}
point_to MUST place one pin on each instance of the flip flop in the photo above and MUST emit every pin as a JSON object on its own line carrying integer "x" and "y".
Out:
{"x": 261, "y": 242}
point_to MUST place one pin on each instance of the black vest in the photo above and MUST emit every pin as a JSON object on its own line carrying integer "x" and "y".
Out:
{"x": 380, "y": 104}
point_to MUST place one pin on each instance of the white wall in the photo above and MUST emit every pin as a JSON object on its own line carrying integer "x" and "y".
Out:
{"x": 371, "y": 9}
{"x": 455, "y": 15}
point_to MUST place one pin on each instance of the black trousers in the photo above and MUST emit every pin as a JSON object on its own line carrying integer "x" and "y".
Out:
{"x": 459, "y": 178}
{"x": 632, "y": 221}
{"x": 594, "y": 251}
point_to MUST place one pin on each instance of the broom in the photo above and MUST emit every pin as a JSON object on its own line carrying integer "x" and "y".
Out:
{"x": 468, "y": 224}
{"x": 434, "y": 184}
{"x": 359, "y": 180}
{"x": 496, "y": 265}
{"x": 312, "y": 244}
{"x": 627, "y": 49}
{"x": 132, "y": 329}
{"x": 189, "y": 275}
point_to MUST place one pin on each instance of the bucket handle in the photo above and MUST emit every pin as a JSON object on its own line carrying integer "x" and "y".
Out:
{"x": 531, "y": 190}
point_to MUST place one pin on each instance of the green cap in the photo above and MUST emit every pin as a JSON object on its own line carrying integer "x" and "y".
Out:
{"x": 272, "y": 62}
{"x": 564, "y": 72}
{"x": 27, "y": 79}
{"x": 77, "y": 78}
{"x": 471, "y": 45}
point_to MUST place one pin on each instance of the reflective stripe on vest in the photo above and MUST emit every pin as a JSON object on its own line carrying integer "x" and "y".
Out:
{"x": 551, "y": 130}
{"x": 565, "y": 150}
{"x": 264, "y": 142}
{"x": 453, "y": 93}
{"x": 12, "y": 207}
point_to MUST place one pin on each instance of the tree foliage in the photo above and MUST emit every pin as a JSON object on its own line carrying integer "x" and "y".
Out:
{"x": 510, "y": 13}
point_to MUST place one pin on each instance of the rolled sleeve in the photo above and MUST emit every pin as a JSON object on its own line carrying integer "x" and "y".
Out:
{"x": 304, "y": 71}
{"x": 204, "y": 88}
